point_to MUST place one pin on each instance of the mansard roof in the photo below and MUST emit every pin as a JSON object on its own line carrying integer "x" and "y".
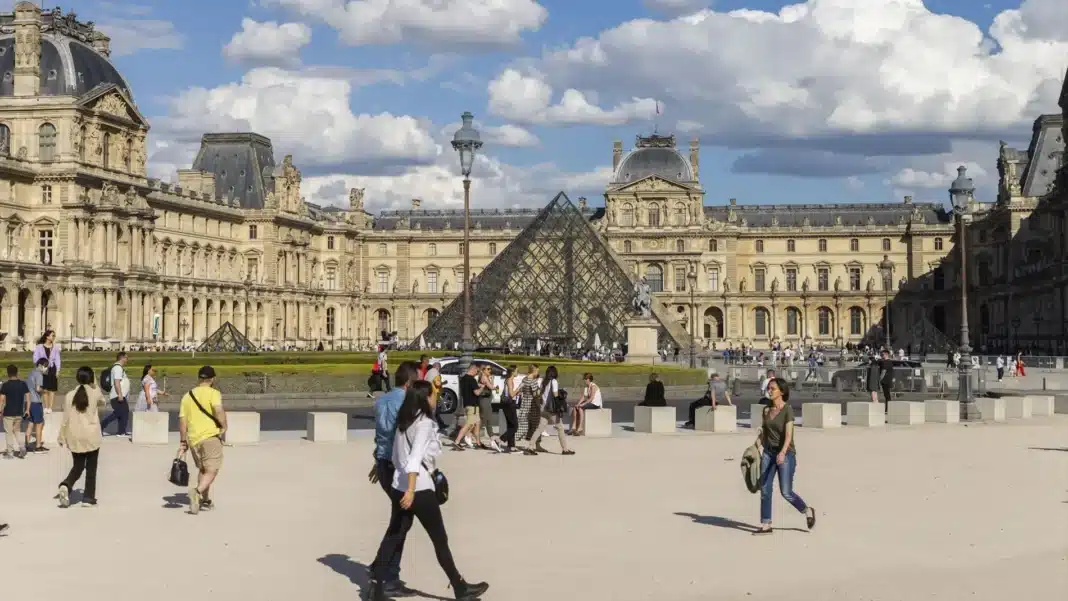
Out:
{"x": 824, "y": 215}
{"x": 485, "y": 219}
{"x": 241, "y": 163}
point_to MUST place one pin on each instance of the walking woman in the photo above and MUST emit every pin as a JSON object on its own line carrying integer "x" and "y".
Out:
{"x": 1020, "y": 367}
{"x": 545, "y": 413}
{"x": 415, "y": 452}
{"x": 508, "y": 406}
{"x": 80, "y": 432}
{"x": 148, "y": 400}
{"x": 485, "y": 407}
{"x": 522, "y": 398}
{"x": 778, "y": 455}
{"x": 47, "y": 348}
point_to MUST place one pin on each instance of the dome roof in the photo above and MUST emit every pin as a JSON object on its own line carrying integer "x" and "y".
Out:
{"x": 660, "y": 161}
{"x": 69, "y": 67}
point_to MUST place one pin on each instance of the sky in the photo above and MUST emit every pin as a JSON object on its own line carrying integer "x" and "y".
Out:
{"x": 821, "y": 101}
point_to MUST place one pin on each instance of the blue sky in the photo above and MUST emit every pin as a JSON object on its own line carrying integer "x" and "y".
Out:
{"x": 824, "y": 101}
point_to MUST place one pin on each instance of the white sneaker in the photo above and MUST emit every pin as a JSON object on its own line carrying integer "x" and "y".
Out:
{"x": 469, "y": 441}
{"x": 48, "y": 410}
{"x": 493, "y": 445}
{"x": 544, "y": 434}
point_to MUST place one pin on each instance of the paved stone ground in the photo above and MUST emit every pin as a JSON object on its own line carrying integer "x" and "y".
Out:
{"x": 930, "y": 512}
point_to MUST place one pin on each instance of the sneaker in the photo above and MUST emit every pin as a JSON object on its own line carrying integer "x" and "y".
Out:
{"x": 64, "y": 496}
{"x": 3, "y": 528}
{"x": 469, "y": 441}
{"x": 21, "y": 454}
{"x": 48, "y": 410}
{"x": 194, "y": 500}
{"x": 8, "y": 455}
{"x": 206, "y": 505}
{"x": 470, "y": 592}
{"x": 88, "y": 502}
{"x": 493, "y": 445}
{"x": 396, "y": 588}
{"x": 41, "y": 449}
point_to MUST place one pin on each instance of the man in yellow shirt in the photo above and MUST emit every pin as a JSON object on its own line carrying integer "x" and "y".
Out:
{"x": 201, "y": 425}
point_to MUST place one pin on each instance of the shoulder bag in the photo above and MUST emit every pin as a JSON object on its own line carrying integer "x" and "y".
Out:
{"x": 441, "y": 483}
{"x": 214, "y": 419}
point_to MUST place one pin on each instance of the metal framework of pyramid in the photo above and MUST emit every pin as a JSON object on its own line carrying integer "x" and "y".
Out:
{"x": 557, "y": 282}
{"x": 227, "y": 339}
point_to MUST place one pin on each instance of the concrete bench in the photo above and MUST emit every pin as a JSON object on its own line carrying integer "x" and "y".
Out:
{"x": 1017, "y": 407}
{"x": 756, "y": 415}
{"x": 821, "y": 415}
{"x": 654, "y": 420}
{"x": 242, "y": 427}
{"x": 598, "y": 423}
{"x": 942, "y": 411}
{"x": 53, "y": 421}
{"x": 724, "y": 418}
{"x": 865, "y": 414}
{"x": 905, "y": 413}
{"x": 151, "y": 427}
{"x": 324, "y": 426}
{"x": 1041, "y": 405}
{"x": 1060, "y": 404}
{"x": 991, "y": 410}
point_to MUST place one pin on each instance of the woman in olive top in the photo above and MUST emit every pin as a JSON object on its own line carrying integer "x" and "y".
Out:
{"x": 778, "y": 456}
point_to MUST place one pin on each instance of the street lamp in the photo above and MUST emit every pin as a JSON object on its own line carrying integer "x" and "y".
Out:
{"x": 71, "y": 326}
{"x": 961, "y": 194}
{"x": 886, "y": 267}
{"x": 1038, "y": 322}
{"x": 183, "y": 325}
{"x": 691, "y": 279}
{"x": 1016, "y": 333}
{"x": 92, "y": 325}
{"x": 466, "y": 142}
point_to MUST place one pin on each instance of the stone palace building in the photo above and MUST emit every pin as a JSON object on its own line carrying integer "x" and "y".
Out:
{"x": 104, "y": 255}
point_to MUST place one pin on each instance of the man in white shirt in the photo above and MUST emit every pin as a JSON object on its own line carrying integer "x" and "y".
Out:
{"x": 1000, "y": 365}
{"x": 382, "y": 358}
{"x": 768, "y": 377}
{"x": 119, "y": 396}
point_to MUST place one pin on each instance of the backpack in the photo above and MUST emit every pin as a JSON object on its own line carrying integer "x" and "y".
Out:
{"x": 105, "y": 379}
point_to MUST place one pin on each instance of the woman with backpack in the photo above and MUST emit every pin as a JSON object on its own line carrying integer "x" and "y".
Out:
{"x": 80, "y": 432}
{"x": 549, "y": 410}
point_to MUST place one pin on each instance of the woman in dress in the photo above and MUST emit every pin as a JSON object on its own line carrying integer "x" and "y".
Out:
{"x": 525, "y": 392}
{"x": 778, "y": 455}
{"x": 1020, "y": 371}
{"x": 80, "y": 432}
{"x": 148, "y": 400}
{"x": 415, "y": 452}
{"x": 47, "y": 348}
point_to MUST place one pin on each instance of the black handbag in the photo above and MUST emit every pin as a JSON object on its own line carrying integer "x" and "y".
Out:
{"x": 559, "y": 405}
{"x": 179, "y": 471}
{"x": 441, "y": 483}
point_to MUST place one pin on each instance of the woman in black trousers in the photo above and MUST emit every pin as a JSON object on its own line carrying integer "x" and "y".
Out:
{"x": 508, "y": 406}
{"x": 415, "y": 451}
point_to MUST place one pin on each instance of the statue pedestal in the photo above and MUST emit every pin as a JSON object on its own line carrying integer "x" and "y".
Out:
{"x": 641, "y": 340}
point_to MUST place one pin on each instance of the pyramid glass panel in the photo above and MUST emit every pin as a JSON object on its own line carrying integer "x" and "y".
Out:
{"x": 227, "y": 339}
{"x": 557, "y": 283}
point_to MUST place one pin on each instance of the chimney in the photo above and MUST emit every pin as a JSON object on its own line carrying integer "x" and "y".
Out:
{"x": 27, "y": 25}
{"x": 416, "y": 203}
{"x": 695, "y": 158}
{"x": 908, "y": 200}
{"x": 101, "y": 43}
{"x": 617, "y": 154}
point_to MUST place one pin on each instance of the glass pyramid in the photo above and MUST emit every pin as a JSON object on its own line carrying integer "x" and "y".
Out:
{"x": 227, "y": 339}
{"x": 557, "y": 283}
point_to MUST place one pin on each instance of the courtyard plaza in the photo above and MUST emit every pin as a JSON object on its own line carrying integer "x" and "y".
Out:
{"x": 976, "y": 511}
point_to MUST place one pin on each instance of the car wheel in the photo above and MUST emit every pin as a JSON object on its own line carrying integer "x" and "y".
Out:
{"x": 447, "y": 402}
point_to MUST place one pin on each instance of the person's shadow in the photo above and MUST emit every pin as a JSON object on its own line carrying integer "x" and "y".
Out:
{"x": 360, "y": 575}
{"x": 176, "y": 501}
{"x": 721, "y": 522}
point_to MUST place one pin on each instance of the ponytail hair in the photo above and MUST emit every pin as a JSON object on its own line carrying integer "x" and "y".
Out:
{"x": 81, "y": 397}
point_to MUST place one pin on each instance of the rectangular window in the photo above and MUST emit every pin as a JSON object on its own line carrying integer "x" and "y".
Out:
{"x": 383, "y": 282}
{"x": 432, "y": 282}
{"x": 330, "y": 321}
{"x": 759, "y": 281}
{"x": 680, "y": 279}
{"x": 329, "y": 243}
{"x": 493, "y": 248}
{"x": 45, "y": 247}
{"x": 654, "y": 217}
{"x": 461, "y": 248}
{"x": 791, "y": 280}
{"x": 823, "y": 276}
{"x": 331, "y": 278}
{"x": 46, "y": 194}
{"x": 713, "y": 281}
{"x": 854, "y": 278}
{"x": 253, "y": 232}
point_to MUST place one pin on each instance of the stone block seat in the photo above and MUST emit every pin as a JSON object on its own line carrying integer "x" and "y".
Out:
{"x": 151, "y": 427}
{"x": 991, "y": 410}
{"x": 242, "y": 427}
{"x": 906, "y": 413}
{"x": 1017, "y": 407}
{"x": 821, "y": 415}
{"x": 328, "y": 426}
{"x": 865, "y": 414}
{"x": 942, "y": 411}
{"x": 1041, "y": 405}
{"x": 598, "y": 423}
{"x": 654, "y": 420}
{"x": 724, "y": 418}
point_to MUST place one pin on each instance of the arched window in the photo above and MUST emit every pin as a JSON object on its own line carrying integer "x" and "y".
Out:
{"x": 106, "y": 146}
{"x": 5, "y": 140}
{"x": 680, "y": 246}
{"x": 493, "y": 249}
{"x": 854, "y": 245}
{"x": 938, "y": 244}
{"x": 856, "y": 321}
{"x": 760, "y": 246}
{"x": 824, "y": 317}
{"x": 627, "y": 218}
{"x": 432, "y": 249}
{"x": 793, "y": 321}
{"x": 679, "y": 217}
{"x": 383, "y": 321}
{"x": 654, "y": 216}
{"x": 713, "y": 245}
{"x": 791, "y": 246}
{"x": 886, "y": 244}
{"x": 654, "y": 276}
{"x": 46, "y": 142}
{"x": 382, "y": 249}
{"x": 762, "y": 321}
{"x": 127, "y": 156}
{"x": 823, "y": 245}
{"x": 627, "y": 246}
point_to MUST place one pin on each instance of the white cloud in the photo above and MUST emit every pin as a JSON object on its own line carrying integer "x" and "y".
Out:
{"x": 817, "y": 70}
{"x": 437, "y": 23}
{"x": 307, "y": 113}
{"x": 507, "y": 135}
{"x": 268, "y": 43}
{"x": 676, "y": 7}
{"x": 528, "y": 99}
{"x": 133, "y": 35}
{"x": 910, "y": 178}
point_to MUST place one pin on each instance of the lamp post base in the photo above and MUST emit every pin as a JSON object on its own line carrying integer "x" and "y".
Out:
{"x": 969, "y": 410}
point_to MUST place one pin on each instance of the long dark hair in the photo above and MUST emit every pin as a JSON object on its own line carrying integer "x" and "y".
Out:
{"x": 784, "y": 388}
{"x": 416, "y": 403}
{"x": 550, "y": 376}
{"x": 44, "y": 337}
{"x": 81, "y": 397}
{"x": 145, "y": 371}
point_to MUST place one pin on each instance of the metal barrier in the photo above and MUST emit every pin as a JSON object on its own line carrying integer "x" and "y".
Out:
{"x": 819, "y": 381}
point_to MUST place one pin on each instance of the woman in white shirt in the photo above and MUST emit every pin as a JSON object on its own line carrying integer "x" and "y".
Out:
{"x": 591, "y": 399}
{"x": 543, "y": 416}
{"x": 148, "y": 400}
{"x": 415, "y": 452}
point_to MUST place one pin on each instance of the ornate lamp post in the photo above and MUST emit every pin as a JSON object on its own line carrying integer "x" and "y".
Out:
{"x": 691, "y": 279}
{"x": 466, "y": 143}
{"x": 182, "y": 325}
{"x": 71, "y": 336}
{"x": 886, "y": 267}
{"x": 92, "y": 326}
{"x": 1038, "y": 322}
{"x": 961, "y": 193}
{"x": 1016, "y": 333}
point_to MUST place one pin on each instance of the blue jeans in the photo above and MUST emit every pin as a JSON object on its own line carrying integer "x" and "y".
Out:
{"x": 120, "y": 412}
{"x": 385, "y": 472}
{"x": 768, "y": 469}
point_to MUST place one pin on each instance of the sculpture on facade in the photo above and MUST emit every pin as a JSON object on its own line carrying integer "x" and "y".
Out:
{"x": 837, "y": 283}
{"x": 356, "y": 199}
{"x": 775, "y": 285}
{"x": 804, "y": 285}
{"x": 643, "y": 300}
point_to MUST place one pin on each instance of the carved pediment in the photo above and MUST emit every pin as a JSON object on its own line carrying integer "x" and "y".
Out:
{"x": 112, "y": 102}
{"x": 653, "y": 183}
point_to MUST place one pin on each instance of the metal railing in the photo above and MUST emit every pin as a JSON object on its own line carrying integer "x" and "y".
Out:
{"x": 835, "y": 381}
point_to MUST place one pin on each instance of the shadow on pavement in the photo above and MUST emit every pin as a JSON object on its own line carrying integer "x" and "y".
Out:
{"x": 360, "y": 575}
{"x": 721, "y": 522}
{"x": 176, "y": 501}
{"x": 1063, "y": 449}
